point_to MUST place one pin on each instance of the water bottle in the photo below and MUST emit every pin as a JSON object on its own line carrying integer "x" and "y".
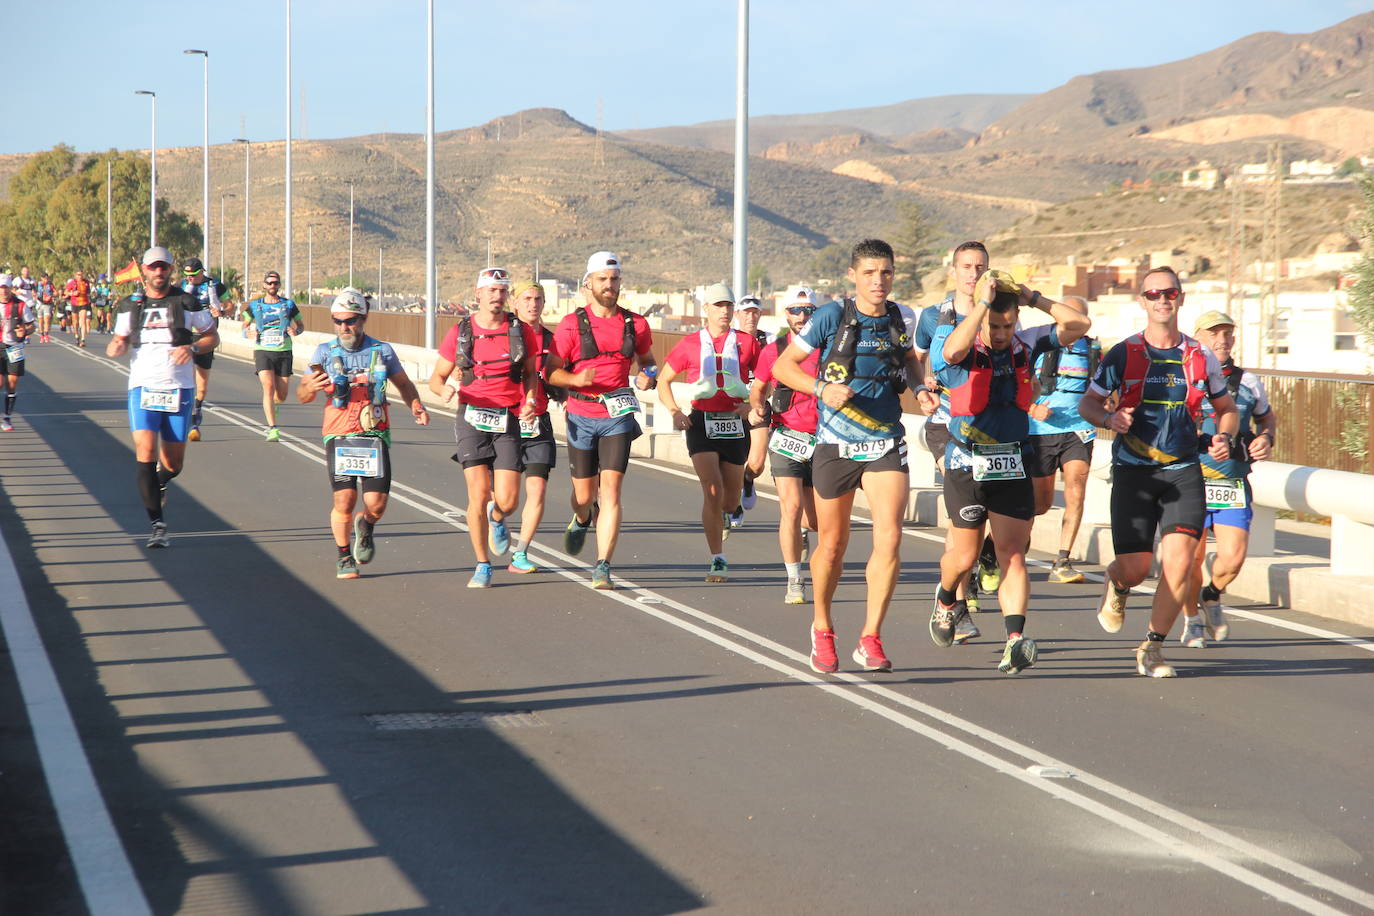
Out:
{"x": 339, "y": 377}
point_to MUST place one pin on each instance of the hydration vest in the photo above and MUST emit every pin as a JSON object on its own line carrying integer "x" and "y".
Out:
{"x": 202, "y": 290}
{"x": 176, "y": 318}
{"x": 553, "y": 392}
{"x": 971, "y": 398}
{"x": 1137, "y": 370}
{"x": 515, "y": 331}
{"x": 376, "y": 375}
{"x": 781, "y": 398}
{"x": 82, "y": 295}
{"x": 1049, "y": 366}
{"x": 839, "y": 361}
{"x": 726, "y": 364}
{"x": 587, "y": 346}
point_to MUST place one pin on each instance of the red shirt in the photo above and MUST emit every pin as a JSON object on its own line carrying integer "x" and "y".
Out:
{"x": 493, "y": 386}
{"x": 801, "y": 416}
{"x": 541, "y": 393}
{"x": 612, "y": 369}
{"x": 78, "y": 291}
{"x": 686, "y": 359}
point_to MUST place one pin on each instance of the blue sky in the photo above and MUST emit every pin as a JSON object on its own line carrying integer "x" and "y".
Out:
{"x": 361, "y": 63}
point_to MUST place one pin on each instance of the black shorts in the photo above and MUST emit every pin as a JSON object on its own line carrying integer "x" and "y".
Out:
{"x": 278, "y": 361}
{"x": 1146, "y": 499}
{"x": 81, "y": 308}
{"x": 784, "y": 466}
{"x": 204, "y": 360}
{"x": 969, "y": 501}
{"x": 538, "y": 453}
{"x": 499, "y": 451}
{"x": 937, "y": 437}
{"x": 10, "y": 368}
{"x": 731, "y": 451}
{"x": 834, "y": 476}
{"x": 378, "y": 484}
{"x": 1054, "y": 450}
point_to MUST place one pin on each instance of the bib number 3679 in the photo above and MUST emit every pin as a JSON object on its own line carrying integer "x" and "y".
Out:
{"x": 865, "y": 451}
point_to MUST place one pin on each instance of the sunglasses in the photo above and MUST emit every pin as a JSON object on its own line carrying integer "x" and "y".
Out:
{"x": 495, "y": 273}
{"x": 800, "y": 309}
{"x": 349, "y": 321}
{"x": 1153, "y": 295}
{"x": 271, "y": 283}
{"x": 158, "y": 265}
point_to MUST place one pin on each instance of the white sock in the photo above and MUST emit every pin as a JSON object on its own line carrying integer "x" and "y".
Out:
{"x": 1192, "y": 620}
{"x": 793, "y": 570}
{"x": 717, "y": 556}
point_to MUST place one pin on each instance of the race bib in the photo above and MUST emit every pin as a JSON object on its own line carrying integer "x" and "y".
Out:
{"x": 620, "y": 402}
{"x": 724, "y": 426}
{"x": 15, "y": 353}
{"x": 486, "y": 419}
{"x": 1225, "y": 493}
{"x": 998, "y": 462}
{"x": 163, "y": 400}
{"x": 865, "y": 451}
{"x": 1085, "y": 435}
{"x": 529, "y": 429}
{"x": 272, "y": 337}
{"x": 357, "y": 458}
{"x": 791, "y": 444}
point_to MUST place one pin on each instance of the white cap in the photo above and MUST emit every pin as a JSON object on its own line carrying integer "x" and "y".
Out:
{"x": 349, "y": 302}
{"x": 158, "y": 254}
{"x": 6, "y": 280}
{"x": 602, "y": 260}
{"x": 493, "y": 276}
{"x": 802, "y": 295}
{"x": 717, "y": 292}
{"x": 750, "y": 302}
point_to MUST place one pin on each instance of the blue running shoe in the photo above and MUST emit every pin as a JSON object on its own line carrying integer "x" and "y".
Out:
{"x": 498, "y": 537}
{"x": 520, "y": 563}
{"x": 481, "y": 577}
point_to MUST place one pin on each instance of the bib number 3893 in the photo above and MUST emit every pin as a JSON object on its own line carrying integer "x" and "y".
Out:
{"x": 724, "y": 426}
{"x": 998, "y": 462}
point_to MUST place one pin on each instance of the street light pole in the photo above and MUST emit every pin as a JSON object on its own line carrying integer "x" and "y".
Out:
{"x": 109, "y": 219}
{"x": 310, "y": 265}
{"x": 431, "y": 286}
{"x": 286, "y": 268}
{"x": 741, "y": 273}
{"x": 221, "y": 232}
{"x": 152, "y": 209}
{"x": 205, "y": 162}
{"x": 350, "y": 233}
{"x": 246, "y": 194}
{"x": 379, "y": 276}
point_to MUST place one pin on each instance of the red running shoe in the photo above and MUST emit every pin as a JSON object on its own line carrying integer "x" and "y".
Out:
{"x": 870, "y": 654}
{"x": 823, "y": 657}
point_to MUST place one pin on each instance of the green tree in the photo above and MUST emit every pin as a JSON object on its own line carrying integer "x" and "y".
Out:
{"x": 758, "y": 279}
{"x": 1351, "y": 166}
{"x": 1362, "y": 293}
{"x": 912, "y": 240}
{"x": 830, "y": 263}
{"x": 54, "y": 219}
{"x": 341, "y": 280}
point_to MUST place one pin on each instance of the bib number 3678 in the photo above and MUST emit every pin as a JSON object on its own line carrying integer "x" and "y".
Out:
{"x": 998, "y": 462}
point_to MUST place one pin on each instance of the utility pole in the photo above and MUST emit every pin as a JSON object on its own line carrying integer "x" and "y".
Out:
{"x": 741, "y": 259}
{"x": 309, "y": 265}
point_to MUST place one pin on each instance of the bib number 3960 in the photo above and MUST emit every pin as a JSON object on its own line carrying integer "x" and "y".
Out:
{"x": 998, "y": 462}
{"x": 163, "y": 400}
{"x": 620, "y": 402}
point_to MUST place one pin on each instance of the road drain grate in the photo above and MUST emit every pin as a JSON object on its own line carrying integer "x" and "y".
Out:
{"x": 419, "y": 721}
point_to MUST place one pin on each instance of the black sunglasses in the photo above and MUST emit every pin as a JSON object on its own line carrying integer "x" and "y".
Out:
{"x": 349, "y": 321}
{"x": 1153, "y": 295}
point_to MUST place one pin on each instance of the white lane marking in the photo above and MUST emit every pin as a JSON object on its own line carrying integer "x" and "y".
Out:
{"x": 1055, "y": 788}
{"x": 648, "y": 602}
{"x": 102, "y": 868}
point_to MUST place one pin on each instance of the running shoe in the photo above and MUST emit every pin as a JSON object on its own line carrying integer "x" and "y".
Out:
{"x": 1193, "y": 636}
{"x": 498, "y": 537}
{"x": 159, "y": 538}
{"x": 1149, "y": 660}
{"x": 989, "y": 576}
{"x": 193, "y": 435}
{"x": 796, "y": 592}
{"x": 823, "y": 657}
{"x": 718, "y": 571}
{"x": 601, "y": 575}
{"x": 725, "y": 526}
{"x": 1216, "y": 627}
{"x": 575, "y": 535}
{"x": 942, "y": 621}
{"x": 870, "y": 656}
{"x": 273, "y": 434}
{"x": 6, "y": 425}
{"x": 520, "y": 563}
{"x": 806, "y": 545}
{"x": 737, "y": 517}
{"x": 964, "y": 627}
{"x": 481, "y": 576}
{"x": 1019, "y": 655}
{"x": 1063, "y": 572}
{"x": 346, "y": 568}
{"x": 1112, "y": 613}
{"x": 363, "y": 547}
{"x": 971, "y": 595}
{"x": 749, "y": 497}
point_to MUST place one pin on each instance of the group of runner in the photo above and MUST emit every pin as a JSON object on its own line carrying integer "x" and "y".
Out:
{"x": 1008, "y": 409}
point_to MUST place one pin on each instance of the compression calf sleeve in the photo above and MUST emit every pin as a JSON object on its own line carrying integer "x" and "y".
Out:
{"x": 145, "y": 472}
{"x": 9, "y": 403}
{"x": 164, "y": 475}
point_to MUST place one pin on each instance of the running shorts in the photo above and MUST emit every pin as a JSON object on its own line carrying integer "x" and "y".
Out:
{"x": 279, "y": 361}
{"x": 1054, "y": 450}
{"x": 598, "y": 444}
{"x": 171, "y": 426}
{"x": 969, "y": 501}
{"x": 1150, "y": 499}
{"x": 835, "y": 476}
{"x": 499, "y": 451}
{"x": 379, "y": 484}
{"x": 538, "y": 453}
{"x": 731, "y": 451}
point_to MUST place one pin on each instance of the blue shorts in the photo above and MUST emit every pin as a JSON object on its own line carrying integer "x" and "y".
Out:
{"x": 583, "y": 432}
{"x": 1233, "y": 518}
{"x": 173, "y": 427}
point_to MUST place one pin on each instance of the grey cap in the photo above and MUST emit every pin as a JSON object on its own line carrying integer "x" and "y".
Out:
{"x": 717, "y": 292}
{"x": 158, "y": 254}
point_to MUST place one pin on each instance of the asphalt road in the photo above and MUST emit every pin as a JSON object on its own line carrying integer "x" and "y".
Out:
{"x": 663, "y": 748}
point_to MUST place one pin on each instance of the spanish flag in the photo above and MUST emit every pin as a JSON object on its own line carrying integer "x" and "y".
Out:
{"x": 129, "y": 274}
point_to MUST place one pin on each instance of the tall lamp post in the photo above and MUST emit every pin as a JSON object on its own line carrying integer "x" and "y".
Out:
{"x": 205, "y": 162}
{"x": 221, "y": 230}
{"x": 286, "y": 264}
{"x": 152, "y": 209}
{"x": 109, "y": 218}
{"x": 431, "y": 286}
{"x": 310, "y": 265}
{"x": 246, "y": 194}
{"x": 350, "y": 233}
{"x": 742, "y": 151}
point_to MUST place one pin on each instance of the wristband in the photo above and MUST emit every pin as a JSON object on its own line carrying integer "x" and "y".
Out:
{"x": 817, "y": 388}
{"x": 1034, "y": 299}
{"x": 1107, "y": 419}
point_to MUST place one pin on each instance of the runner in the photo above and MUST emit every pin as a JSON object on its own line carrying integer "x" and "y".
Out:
{"x": 867, "y": 357}
{"x": 47, "y": 299}
{"x": 78, "y": 296}
{"x": 353, "y": 369}
{"x": 748, "y": 313}
{"x": 538, "y": 451}
{"x": 26, "y": 291}
{"x": 597, "y": 344}
{"x": 1229, "y": 497}
{"x": 206, "y": 290}
{"x": 792, "y": 444}
{"x": 1156, "y": 480}
{"x": 1061, "y": 439}
{"x": 716, "y": 437}
{"x": 968, "y": 262}
{"x": 271, "y": 322}
{"x": 103, "y": 300}
{"x": 159, "y": 327}
{"x": 985, "y": 364}
{"x": 16, "y": 323}
{"x": 496, "y": 358}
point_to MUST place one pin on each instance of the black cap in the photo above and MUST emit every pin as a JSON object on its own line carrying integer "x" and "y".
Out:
{"x": 192, "y": 266}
